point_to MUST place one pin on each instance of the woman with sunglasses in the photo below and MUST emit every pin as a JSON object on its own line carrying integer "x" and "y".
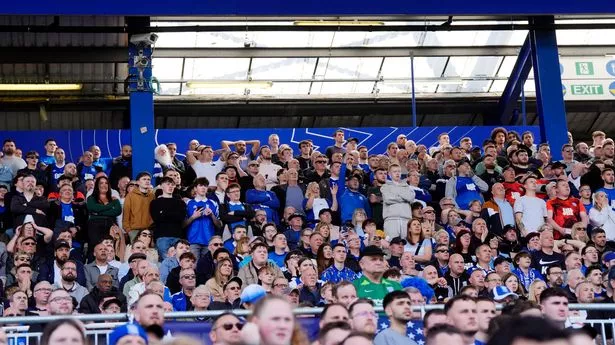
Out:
{"x": 20, "y": 258}
{"x": 144, "y": 236}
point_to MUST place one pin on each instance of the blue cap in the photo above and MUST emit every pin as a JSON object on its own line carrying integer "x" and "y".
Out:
{"x": 474, "y": 269}
{"x": 127, "y": 329}
{"x": 500, "y": 292}
{"x": 609, "y": 256}
{"x": 252, "y": 293}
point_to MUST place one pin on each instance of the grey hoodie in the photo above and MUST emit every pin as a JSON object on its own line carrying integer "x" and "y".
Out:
{"x": 396, "y": 200}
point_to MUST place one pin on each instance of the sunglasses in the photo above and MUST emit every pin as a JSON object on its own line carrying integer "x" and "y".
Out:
{"x": 216, "y": 244}
{"x": 442, "y": 251}
{"x": 229, "y": 326}
{"x": 192, "y": 276}
{"x": 29, "y": 243}
{"x": 321, "y": 162}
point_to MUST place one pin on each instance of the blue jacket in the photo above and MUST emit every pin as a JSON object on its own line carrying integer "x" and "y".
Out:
{"x": 180, "y": 301}
{"x": 350, "y": 201}
{"x": 264, "y": 200}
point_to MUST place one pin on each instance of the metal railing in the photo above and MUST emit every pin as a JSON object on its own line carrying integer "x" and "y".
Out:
{"x": 98, "y": 326}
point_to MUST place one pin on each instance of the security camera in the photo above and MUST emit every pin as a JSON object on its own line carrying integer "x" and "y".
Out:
{"x": 144, "y": 39}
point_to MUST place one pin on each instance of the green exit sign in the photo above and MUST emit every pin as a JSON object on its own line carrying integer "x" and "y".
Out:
{"x": 586, "y": 89}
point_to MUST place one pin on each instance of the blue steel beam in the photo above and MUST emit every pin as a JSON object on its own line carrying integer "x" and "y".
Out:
{"x": 141, "y": 96}
{"x": 510, "y": 96}
{"x": 550, "y": 106}
{"x": 277, "y": 8}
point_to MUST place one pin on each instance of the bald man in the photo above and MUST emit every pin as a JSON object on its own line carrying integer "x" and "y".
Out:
{"x": 456, "y": 276}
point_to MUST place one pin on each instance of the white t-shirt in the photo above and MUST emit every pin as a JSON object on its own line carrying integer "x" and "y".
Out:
{"x": 534, "y": 211}
{"x": 103, "y": 269}
{"x": 208, "y": 170}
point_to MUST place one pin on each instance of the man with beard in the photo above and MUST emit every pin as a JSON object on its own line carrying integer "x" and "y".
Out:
{"x": 398, "y": 308}
{"x": 608, "y": 150}
{"x": 363, "y": 317}
{"x": 149, "y": 311}
{"x": 163, "y": 161}
{"x": 203, "y": 164}
{"x": 9, "y": 163}
{"x": 121, "y": 166}
{"x": 104, "y": 289}
{"x": 555, "y": 276}
{"x": 29, "y": 203}
{"x": 461, "y": 313}
{"x": 608, "y": 177}
{"x": 523, "y": 165}
{"x": 267, "y": 168}
{"x": 51, "y": 270}
{"x": 240, "y": 148}
{"x": 69, "y": 283}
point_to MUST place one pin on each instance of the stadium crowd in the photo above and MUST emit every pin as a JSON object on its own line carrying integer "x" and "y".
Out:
{"x": 272, "y": 227}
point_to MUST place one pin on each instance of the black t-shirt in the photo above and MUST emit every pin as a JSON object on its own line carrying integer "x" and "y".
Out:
{"x": 541, "y": 260}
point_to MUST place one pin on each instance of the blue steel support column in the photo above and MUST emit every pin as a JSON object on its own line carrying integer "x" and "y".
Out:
{"x": 549, "y": 97}
{"x": 141, "y": 107}
{"x": 512, "y": 91}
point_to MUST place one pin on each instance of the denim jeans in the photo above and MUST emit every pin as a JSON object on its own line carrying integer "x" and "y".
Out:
{"x": 163, "y": 244}
{"x": 198, "y": 250}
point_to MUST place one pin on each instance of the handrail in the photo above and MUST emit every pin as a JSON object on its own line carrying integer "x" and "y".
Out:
{"x": 238, "y": 312}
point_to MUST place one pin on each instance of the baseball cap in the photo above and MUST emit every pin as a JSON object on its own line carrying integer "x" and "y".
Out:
{"x": 474, "y": 269}
{"x": 353, "y": 139}
{"x": 234, "y": 279}
{"x": 557, "y": 164}
{"x": 252, "y": 293}
{"x": 500, "y": 292}
{"x": 398, "y": 240}
{"x": 127, "y": 329}
{"x": 61, "y": 244}
{"x": 608, "y": 256}
{"x": 371, "y": 251}
{"x": 109, "y": 302}
{"x": 463, "y": 161}
{"x": 296, "y": 214}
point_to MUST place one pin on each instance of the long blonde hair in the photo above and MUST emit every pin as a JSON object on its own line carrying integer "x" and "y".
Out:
{"x": 308, "y": 190}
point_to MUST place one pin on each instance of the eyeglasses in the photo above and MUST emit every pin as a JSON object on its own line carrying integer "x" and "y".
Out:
{"x": 442, "y": 251}
{"x": 366, "y": 314}
{"x": 190, "y": 276}
{"x": 229, "y": 326}
{"x": 284, "y": 286}
{"x": 43, "y": 289}
{"x": 233, "y": 288}
{"x": 61, "y": 299}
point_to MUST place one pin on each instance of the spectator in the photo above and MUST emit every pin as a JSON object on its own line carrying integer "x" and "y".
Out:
{"x": 260, "y": 198}
{"x": 103, "y": 209}
{"x": 397, "y": 306}
{"x": 29, "y": 203}
{"x": 182, "y": 300}
{"x": 234, "y": 212}
{"x": 363, "y": 318}
{"x": 249, "y": 273}
{"x": 202, "y": 221}
{"x": 465, "y": 187}
{"x": 461, "y": 313}
{"x": 103, "y": 290}
{"x": 352, "y": 199}
{"x": 136, "y": 215}
{"x": 554, "y": 305}
{"x": 69, "y": 283}
{"x": 371, "y": 284}
{"x": 168, "y": 214}
{"x": 397, "y": 197}
{"x": 169, "y": 263}
{"x": 100, "y": 266}
{"x": 223, "y": 274}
